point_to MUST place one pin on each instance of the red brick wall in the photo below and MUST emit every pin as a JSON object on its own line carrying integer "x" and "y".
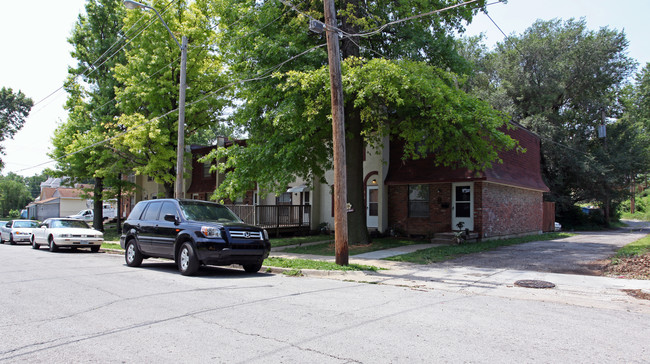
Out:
{"x": 439, "y": 219}
{"x": 498, "y": 210}
{"x": 507, "y": 210}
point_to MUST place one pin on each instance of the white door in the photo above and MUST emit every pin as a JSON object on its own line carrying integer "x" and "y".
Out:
{"x": 462, "y": 205}
{"x": 307, "y": 203}
{"x": 372, "y": 208}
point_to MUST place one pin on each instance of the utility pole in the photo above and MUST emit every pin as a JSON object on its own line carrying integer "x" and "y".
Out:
{"x": 338, "y": 135}
{"x": 179, "y": 191}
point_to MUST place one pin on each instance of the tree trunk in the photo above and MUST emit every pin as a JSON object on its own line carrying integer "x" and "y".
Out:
{"x": 357, "y": 226}
{"x": 118, "y": 218}
{"x": 169, "y": 190}
{"x": 98, "y": 202}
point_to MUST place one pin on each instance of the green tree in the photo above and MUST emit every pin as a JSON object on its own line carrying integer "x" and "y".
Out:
{"x": 14, "y": 194}
{"x": 97, "y": 39}
{"x": 14, "y": 108}
{"x": 150, "y": 76}
{"x": 34, "y": 184}
{"x": 398, "y": 81}
{"x": 557, "y": 79}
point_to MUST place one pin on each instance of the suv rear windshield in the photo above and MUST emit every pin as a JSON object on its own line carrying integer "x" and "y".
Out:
{"x": 206, "y": 211}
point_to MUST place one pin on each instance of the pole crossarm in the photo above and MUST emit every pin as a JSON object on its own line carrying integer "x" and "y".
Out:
{"x": 134, "y": 5}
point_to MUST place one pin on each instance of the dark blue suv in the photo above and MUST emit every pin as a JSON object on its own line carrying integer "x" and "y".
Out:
{"x": 192, "y": 233}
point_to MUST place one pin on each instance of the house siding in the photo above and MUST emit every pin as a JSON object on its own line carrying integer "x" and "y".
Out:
{"x": 507, "y": 210}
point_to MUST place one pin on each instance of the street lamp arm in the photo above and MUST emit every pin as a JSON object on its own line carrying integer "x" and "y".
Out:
{"x": 135, "y": 5}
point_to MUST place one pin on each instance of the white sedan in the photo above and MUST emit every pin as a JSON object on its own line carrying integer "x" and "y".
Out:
{"x": 16, "y": 231}
{"x": 64, "y": 232}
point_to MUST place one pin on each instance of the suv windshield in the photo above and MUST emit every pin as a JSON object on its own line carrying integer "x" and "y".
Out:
{"x": 206, "y": 211}
{"x": 25, "y": 224}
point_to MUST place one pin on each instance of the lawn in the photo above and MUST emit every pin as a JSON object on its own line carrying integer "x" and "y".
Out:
{"x": 106, "y": 245}
{"x": 447, "y": 252}
{"x": 295, "y": 240}
{"x": 327, "y": 249}
{"x": 298, "y": 264}
{"x": 638, "y": 247}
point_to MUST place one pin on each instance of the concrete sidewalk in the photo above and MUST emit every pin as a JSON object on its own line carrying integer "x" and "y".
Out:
{"x": 499, "y": 272}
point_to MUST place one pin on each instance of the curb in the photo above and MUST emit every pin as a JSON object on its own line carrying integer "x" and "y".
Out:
{"x": 313, "y": 272}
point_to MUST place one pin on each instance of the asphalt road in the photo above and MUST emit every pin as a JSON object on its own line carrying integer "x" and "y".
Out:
{"x": 83, "y": 307}
{"x": 585, "y": 253}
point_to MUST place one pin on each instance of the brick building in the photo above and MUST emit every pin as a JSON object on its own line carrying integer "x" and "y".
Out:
{"x": 507, "y": 199}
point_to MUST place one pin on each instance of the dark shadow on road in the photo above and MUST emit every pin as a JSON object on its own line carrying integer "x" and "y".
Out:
{"x": 206, "y": 271}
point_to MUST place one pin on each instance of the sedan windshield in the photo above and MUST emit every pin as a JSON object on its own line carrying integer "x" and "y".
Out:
{"x": 206, "y": 211}
{"x": 25, "y": 224}
{"x": 69, "y": 224}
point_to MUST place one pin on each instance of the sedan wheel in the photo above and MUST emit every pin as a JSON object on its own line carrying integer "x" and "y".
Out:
{"x": 188, "y": 263}
{"x": 132, "y": 255}
{"x": 11, "y": 239}
{"x": 52, "y": 245}
{"x": 34, "y": 245}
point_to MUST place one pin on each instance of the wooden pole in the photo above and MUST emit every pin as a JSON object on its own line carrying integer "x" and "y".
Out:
{"x": 338, "y": 135}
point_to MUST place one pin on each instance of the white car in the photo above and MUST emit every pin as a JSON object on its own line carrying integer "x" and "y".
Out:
{"x": 65, "y": 232}
{"x": 85, "y": 215}
{"x": 16, "y": 231}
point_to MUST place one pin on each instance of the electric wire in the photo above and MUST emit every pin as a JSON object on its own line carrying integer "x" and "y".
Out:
{"x": 268, "y": 73}
{"x": 92, "y": 65}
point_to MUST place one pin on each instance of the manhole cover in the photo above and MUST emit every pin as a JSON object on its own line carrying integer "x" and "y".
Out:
{"x": 532, "y": 283}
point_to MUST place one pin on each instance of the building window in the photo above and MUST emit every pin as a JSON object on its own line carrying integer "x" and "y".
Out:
{"x": 418, "y": 200}
{"x": 284, "y": 199}
{"x": 206, "y": 169}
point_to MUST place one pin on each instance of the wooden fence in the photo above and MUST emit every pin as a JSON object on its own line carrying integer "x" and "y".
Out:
{"x": 278, "y": 217}
{"x": 548, "y": 223}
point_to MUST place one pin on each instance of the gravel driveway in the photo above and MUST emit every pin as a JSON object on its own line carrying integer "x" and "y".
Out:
{"x": 586, "y": 253}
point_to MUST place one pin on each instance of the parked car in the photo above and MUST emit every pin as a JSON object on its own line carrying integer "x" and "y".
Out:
{"x": 16, "y": 231}
{"x": 192, "y": 233}
{"x": 85, "y": 215}
{"x": 108, "y": 212}
{"x": 66, "y": 232}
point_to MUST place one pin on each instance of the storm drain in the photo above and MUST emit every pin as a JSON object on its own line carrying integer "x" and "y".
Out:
{"x": 533, "y": 283}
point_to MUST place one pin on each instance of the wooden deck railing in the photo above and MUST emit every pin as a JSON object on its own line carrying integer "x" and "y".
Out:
{"x": 274, "y": 216}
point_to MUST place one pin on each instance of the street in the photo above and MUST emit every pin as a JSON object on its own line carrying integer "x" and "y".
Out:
{"x": 85, "y": 307}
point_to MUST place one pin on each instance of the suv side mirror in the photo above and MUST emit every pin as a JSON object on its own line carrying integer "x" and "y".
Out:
{"x": 170, "y": 218}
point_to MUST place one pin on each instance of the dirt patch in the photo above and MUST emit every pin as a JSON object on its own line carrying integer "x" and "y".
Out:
{"x": 637, "y": 267}
{"x": 637, "y": 293}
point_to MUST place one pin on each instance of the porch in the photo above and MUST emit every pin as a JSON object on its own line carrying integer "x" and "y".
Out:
{"x": 276, "y": 219}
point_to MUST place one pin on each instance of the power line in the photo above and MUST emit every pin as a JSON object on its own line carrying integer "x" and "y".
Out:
{"x": 92, "y": 65}
{"x": 268, "y": 73}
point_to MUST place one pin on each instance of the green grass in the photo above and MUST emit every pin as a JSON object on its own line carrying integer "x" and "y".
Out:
{"x": 643, "y": 216}
{"x": 327, "y": 249}
{"x": 295, "y": 240}
{"x": 638, "y": 247}
{"x": 111, "y": 246}
{"x": 442, "y": 253}
{"x": 110, "y": 232}
{"x": 296, "y": 264}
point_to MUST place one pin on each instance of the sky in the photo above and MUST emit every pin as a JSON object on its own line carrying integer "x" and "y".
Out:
{"x": 36, "y": 54}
